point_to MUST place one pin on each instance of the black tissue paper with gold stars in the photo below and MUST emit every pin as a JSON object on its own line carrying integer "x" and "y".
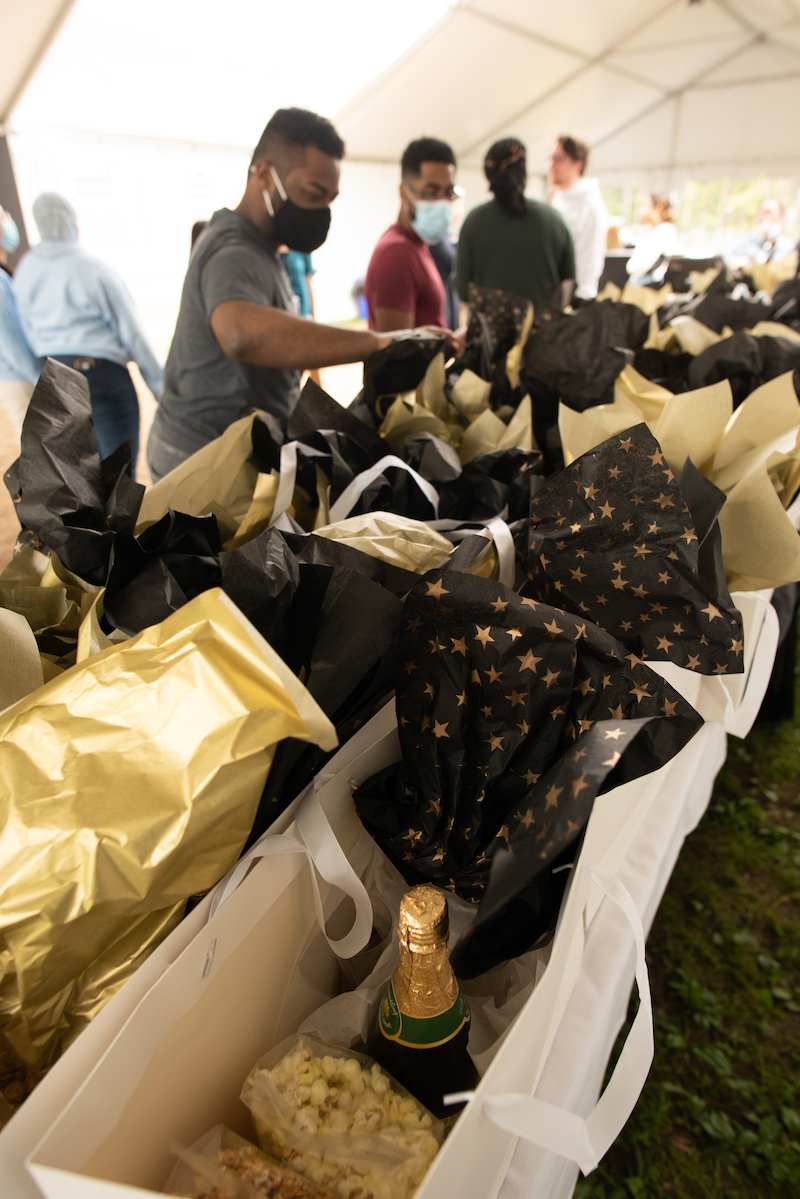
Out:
{"x": 613, "y": 539}
{"x": 512, "y": 715}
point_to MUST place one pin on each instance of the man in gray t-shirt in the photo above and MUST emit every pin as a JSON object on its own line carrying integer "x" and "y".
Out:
{"x": 237, "y": 342}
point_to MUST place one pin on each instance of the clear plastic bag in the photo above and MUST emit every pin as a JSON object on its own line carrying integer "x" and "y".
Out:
{"x": 340, "y": 1120}
{"x": 222, "y": 1165}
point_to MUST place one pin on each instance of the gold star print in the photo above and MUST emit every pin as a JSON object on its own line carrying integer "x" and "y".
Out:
{"x": 516, "y": 697}
{"x": 528, "y": 819}
{"x": 669, "y": 475}
{"x": 645, "y": 617}
{"x": 590, "y": 492}
{"x": 673, "y": 555}
{"x": 499, "y": 605}
{"x": 664, "y": 578}
{"x": 530, "y": 777}
{"x": 612, "y": 761}
{"x": 627, "y": 525}
{"x": 435, "y": 806}
{"x": 659, "y": 608}
{"x": 463, "y": 833}
{"x": 529, "y": 603}
{"x": 474, "y": 677}
{"x": 580, "y": 629}
{"x": 524, "y": 728}
{"x": 668, "y": 707}
{"x": 626, "y": 626}
{"x": 544, "y": 561}
{"x": 487, "y": 711}
{"x": 578, "y": 575}
{"x": 482, "y": 635}
{"x": 663, "y": 644}
{"x": 414, "y": 624}
{"x": 560, "y": 519}
{"x": 584, "y": 686}
{"x": 409, "y": 666}
{"x": 737, "y": 646}
{"x": 439, "y": 855}
{"x": 637, "y": 500}
{"x": 721, "y": 669}
{"x": 436, "y": 590}
{"x": 654, "y": 528}
{"x": 601, "y": 599}
{"x": 656, "y": 458}
{"x": 550, "y": 678}
{"x": 639, "y": 591}
{"x": 561, "y": 545}
{"x": 580, "y": 553}
{"x": 606, "y": 543}
{"x": 440, "y": 730}
{"x": 553, "y": 628}
{"x": 606, "y": 681}
{"x": 430, "y": 689}
{"x": 459, "y": 645}
{"x": 513, "y": 633}
{"x": 626, "y": 444}
{"x": 493, "y": 675}
{"x": 693, "y": 663}
{"x": 551, "y": 799}
{"x": 575, "y": 528}
{"x": 614, "y": 734}
{"x": 540, "y": 836}
{"x": 584, "y": 725}
{"x": 688, "y": 535}
{"x": 618, "y": 566}
{"x": 579, "y": 753}
{"x": 678, "y": 629}
{"x": 578, "y": 785}
{"x": 616, "y": 713}
{"x": 634, "y": 661}
{"x": 606, "y": 509}
{"x": 426, "y": 723}
{"x": 436, "y": 645}
{"x": 494, "y": 742}
{"x": 559, "y": 586}
{"x": 614, "y": 472}
{"x": 462, "y": 699}
{"x": 619, "y": 583}
{"x": 556, "y": 712}
{"x": 641, "y": 550}
{"x": 712, "y": 611}
{"x": 666, "y": 501}
{"x": 572, "y": 827}
{"x": 704, "y": 640}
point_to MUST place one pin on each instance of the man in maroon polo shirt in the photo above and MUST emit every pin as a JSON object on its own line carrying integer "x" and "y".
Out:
{"x": 403, "y": 286}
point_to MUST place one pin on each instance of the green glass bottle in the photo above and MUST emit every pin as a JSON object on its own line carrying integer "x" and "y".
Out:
{"x": 420, "y": 1031}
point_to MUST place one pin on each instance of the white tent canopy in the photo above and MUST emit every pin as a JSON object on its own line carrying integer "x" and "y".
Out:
{"x": 657, "y": 87}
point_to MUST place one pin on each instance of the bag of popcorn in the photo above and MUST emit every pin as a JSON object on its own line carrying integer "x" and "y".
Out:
{"x": 341, "y": 1121}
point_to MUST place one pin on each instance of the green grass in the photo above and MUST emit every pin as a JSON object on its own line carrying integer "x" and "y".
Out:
{"x": 720, "y": 1113}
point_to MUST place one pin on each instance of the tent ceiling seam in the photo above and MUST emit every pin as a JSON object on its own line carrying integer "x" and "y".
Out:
{"x": 575, "y": 75}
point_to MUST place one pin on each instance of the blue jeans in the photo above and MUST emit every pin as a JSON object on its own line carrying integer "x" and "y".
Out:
{"x": 115, "y": 407}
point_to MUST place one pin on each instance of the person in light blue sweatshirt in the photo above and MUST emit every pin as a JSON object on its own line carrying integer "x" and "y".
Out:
{"x": 19, "y": 366}
{"x": 76, "y": 309}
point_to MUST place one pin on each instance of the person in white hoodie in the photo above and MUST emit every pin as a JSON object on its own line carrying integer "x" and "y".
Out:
{"x": 581, "y": 204}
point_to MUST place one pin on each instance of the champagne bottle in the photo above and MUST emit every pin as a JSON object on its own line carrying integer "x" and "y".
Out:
{"x": 421, "y": 1028}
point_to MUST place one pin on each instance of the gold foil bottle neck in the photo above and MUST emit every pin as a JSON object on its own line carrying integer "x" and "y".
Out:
{"x": 423, "y": 924}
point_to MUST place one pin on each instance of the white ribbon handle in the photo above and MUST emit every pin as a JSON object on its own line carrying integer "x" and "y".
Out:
{"x": 317, "y": 841}
{"x": 586, "y": 1141}
{"x": 501, "y": 535}
{"x": 346, "y": 501}
{"x": 288, "y": 478}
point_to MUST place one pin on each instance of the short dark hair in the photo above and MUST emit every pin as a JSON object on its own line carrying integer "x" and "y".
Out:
{"x": 297, "y": 128}
{"x": 575, "y": 149}
{"x": 425, "y": 149}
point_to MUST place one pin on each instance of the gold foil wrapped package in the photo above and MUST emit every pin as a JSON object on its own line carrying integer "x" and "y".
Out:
{"x": 128, "y": 784}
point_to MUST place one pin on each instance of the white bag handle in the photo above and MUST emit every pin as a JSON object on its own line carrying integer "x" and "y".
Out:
{"x": 346, "y": 501}
{"x": 586, "y": 1141}
{"x": 502, "y": 537}
{"x": 317, "y": 841}
{"x": 288, "y": 478}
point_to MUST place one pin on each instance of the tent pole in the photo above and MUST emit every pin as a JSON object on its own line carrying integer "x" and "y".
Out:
{"x": 9, "y": 197}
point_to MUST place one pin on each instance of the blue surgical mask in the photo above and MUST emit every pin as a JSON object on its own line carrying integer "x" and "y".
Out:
{"x": 9, "y": 233}
{"x": 432, "y": 219}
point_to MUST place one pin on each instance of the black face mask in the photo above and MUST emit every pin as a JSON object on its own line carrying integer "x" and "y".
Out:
{"x": 303, "y": 229}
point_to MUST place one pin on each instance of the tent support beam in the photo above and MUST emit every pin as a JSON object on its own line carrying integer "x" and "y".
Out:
{"x": 52, "y": 33}
{"x": 9, "y": 198}
{"x": 598, "y": 61}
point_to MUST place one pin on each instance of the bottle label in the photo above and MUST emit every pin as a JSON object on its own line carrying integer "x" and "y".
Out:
{"x": 423, "y": 1033}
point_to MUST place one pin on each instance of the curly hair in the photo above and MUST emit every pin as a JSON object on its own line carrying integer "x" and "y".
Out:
{"x": 507, "y": 174}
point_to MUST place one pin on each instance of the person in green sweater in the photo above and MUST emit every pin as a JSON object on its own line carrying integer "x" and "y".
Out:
{"x": 511, "y": 242}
